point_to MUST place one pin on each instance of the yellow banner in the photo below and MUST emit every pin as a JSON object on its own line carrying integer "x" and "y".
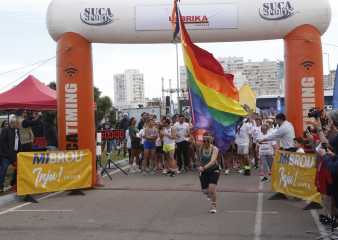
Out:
{"x": 294, "y": 174}
{"x": 41, "y": 172}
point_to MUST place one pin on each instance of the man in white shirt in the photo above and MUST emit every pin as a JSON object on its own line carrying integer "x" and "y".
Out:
{"x": 182, "y": 129}
{"x": 285, "y": 134}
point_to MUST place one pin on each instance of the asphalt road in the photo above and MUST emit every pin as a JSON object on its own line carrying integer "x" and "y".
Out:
{"x": 140, "y": 207}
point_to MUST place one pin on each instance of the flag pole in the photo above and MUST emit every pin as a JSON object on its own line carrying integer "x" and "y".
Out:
{"x": 178, "y": 80}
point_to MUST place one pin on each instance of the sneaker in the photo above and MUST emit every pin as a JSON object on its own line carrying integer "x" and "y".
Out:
{"x": 241, "y": 171}
{"x": 165, "y": 171}
{"x": 172, "y": 174}
{"x": 227, "y": 172}
{"x": 213, "y": 210}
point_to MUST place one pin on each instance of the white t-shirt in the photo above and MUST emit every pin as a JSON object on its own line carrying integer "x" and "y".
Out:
{"x": 256, "y": 131}
{"x": 166, "y": 139}
{"x": 141, "y": 135}
{"x": 243, "y": 135}
{"x": 182, "y": 131}
{"x": 265, "y": 148}
{"x": 128, "y": 139}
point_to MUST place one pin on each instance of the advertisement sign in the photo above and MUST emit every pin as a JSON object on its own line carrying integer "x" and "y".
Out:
{"x": 294, "y": 174}
{"x": 41, "y": 172}
{"x": 198, "y": 17}
{"x": 116, "y": 134}
{"x": 277, "y": 10}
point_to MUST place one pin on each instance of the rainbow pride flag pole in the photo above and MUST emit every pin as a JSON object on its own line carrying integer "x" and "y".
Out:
{"x": 213, "y": 95}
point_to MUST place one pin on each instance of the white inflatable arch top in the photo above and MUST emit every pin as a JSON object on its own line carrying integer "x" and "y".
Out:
{"x": 149, "y": 21}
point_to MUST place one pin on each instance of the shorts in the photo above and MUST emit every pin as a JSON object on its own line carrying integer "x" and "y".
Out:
{"x": 209, "y": 177}
{"x": 149, "y": 145}
{"x": 243, "y": 149}
{"x": 169, "y": 148}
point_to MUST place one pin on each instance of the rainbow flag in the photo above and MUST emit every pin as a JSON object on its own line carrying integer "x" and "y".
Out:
{"x": 213, "y": 95}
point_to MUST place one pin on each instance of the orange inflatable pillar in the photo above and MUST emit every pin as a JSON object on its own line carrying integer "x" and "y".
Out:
{"x": 75, "y": 96}
{"x": 304, "y": 75}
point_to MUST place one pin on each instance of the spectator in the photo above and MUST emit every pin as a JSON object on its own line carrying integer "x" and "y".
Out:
{"x": 182, "y": 129}
{"x": 26, "y": 133}
{"x": 124, "y": 123}
{"x": 299, "y": 145}
{"x": 266, "y": 153}
{"x": 285, "y": 134}
{"x": 9, "y": 147}
{"x": 144, "y": 117}
{"x": 135, "y": 145}
{"x": 4, "y": 124}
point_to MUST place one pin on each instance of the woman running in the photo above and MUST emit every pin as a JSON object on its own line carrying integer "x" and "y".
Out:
{"x": 209, "y": 169}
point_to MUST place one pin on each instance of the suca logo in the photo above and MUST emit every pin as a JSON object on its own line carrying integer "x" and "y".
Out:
{"x": 276, "y": 10}
{"x": 97, "y": 16}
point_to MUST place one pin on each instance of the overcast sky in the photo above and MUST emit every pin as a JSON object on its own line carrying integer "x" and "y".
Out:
{"x": 25, "y": 40}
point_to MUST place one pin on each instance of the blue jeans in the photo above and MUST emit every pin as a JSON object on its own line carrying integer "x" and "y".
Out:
{"x": 4, "y": 164}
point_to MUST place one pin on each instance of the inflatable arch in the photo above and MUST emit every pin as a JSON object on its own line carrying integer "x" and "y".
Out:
{"x": 77, "y": 24}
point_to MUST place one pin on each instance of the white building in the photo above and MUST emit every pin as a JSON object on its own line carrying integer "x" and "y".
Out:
{"x": 329, "y": 80}
{"x": 129, "y": 89}
{"x": 265, "y": 77}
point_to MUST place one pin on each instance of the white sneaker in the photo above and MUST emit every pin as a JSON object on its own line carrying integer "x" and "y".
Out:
{"x": 241, "y": 171}
{"x": 165, "y": 171}
{"x": 227, "y": 172}
{"x": 213, "y": 210}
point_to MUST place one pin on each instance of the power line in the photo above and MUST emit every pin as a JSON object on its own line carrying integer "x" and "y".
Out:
{"x": 23, "y": 75}
{"x": 26, "y": 66}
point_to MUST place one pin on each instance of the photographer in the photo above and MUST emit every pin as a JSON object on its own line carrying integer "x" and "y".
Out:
{"x": 326, "y": 127}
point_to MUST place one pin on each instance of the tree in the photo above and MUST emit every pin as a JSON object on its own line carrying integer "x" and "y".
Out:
{"x": 103, "y": 107}
{"x": 97, "y": 94}
{"x": 52, "y": 85}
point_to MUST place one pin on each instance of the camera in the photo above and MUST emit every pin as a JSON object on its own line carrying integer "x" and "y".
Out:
{"x": 315, "y": 113}
{"x": 319, "y": 114}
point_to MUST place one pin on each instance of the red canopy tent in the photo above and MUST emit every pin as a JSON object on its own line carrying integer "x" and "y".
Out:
{"x": 30, "y": 94}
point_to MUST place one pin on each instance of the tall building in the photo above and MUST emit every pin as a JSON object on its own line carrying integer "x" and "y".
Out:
{"x": 329, "y": 80}
{"x": 265, "y": 77}
{"x": 129, "y": 89}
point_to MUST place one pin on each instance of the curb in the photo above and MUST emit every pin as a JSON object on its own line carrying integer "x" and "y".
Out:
{"x": 12, "y": 198}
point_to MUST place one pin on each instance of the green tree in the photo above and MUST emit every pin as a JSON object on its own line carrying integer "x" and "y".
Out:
{"x": 52, "y": 85}
{"x": 103, "y": 107}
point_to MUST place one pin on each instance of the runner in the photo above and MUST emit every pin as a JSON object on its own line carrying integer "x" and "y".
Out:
{"x": 209, "y": 169}
{"x": 243, "y": 142}
{"x": 168, "y": 136}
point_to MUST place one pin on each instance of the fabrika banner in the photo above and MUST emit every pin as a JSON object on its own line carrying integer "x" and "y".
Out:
{"x": 42, "y": 172}
{"x": 294, "y": 174}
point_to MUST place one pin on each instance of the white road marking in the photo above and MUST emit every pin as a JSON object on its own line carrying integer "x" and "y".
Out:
{"x": 321, "y": 229}
{"x": 42, "y": 198}
{"x": 252, "y": 212}
{"x": 42, "y": 210}
{"x": 259, "y": 213}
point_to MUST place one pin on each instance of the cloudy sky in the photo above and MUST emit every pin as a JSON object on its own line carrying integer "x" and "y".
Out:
{"x": 25, "y": 41}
